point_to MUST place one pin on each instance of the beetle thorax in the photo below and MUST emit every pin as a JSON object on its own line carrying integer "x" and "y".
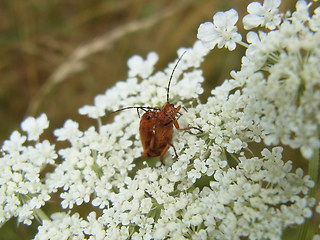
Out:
{"x": 167, "y": 114}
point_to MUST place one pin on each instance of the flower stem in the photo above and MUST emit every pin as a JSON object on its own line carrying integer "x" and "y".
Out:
{"x": 40, "y": 215}
{"x": 313, "y": 171}
{"x": 305, "y": 230}
{"x": 243, "y": 44}
{"x": 99, "y": 124}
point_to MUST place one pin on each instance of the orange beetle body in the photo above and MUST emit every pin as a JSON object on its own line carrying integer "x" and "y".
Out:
{"x": 156, "y": 130}
{"x": 147, "y": 131}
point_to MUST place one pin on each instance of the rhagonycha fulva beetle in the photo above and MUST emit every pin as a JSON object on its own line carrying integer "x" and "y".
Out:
{"x": 156, "y": 126}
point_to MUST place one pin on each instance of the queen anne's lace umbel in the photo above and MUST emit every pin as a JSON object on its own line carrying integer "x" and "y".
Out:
{"x": 217, "y": 188}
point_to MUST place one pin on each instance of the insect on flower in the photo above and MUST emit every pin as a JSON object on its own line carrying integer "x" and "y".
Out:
{"x": 156, "y": 126}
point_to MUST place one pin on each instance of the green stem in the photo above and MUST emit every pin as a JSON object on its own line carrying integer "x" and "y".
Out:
{"x": 243, "y": 44}
{"x": 99, "y": 123}
{"x": 40, "y": 215}
{"x": 305, "y": 230}
{"x": 313, "y": 171}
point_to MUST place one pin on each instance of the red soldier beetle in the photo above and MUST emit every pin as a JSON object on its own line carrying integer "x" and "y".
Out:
{"x": 156, "y": 126}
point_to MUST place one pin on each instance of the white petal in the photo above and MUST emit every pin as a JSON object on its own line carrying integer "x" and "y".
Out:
{"x": 271, "y": 4}
{"x": 252, "y": 37}
{"x": 205, "y": 32}
{"x": 255, "y": 8}
{"x": 232, "y": 17}
{"x": 220, "y": 20}
{"x": 251, "y": 21}
{"x": 152, "y": 58}
{"x": 210, "y": 45}
{"x": 42, "y": 120}
{"x": 307, "y": 151}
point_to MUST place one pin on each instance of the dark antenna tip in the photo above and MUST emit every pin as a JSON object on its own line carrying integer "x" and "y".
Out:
{"x": 168, "y": 88}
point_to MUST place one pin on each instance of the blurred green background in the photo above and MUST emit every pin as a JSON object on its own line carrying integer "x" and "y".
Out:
{"x": 55, "y": 55}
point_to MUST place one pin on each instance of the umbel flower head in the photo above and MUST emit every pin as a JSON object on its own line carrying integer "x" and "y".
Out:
{"x": 281, "y": 72}
{"x": 266, "y": 15}
{"x": 219, "y": 186}
{"x": 22, "y": 192}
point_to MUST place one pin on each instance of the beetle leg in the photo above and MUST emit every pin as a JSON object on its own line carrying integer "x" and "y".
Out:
{"x": 138, "y": 112}
{"x": 175, "y": 151}
{"x": 176, "y": 124}
{"x": 151, "y": 145}
{"x": 165, "y": 150}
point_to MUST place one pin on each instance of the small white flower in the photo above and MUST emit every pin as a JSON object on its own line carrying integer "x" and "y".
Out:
{"x": 43, "y": 153}
{"x": 234, "y": 145}
{"x": 266, "y": 15}
{"x": 302, "y": 11}
{"x": 69, "y": 131}
{"x": 15, "y": 143}
{"x": 94, "y": 228}
{"x": 200, "y": 166}
{"x": 221, "y": 32}
{"x": 139, "y": 67}
{"x": 194, "y": 56}
{"x": 35, "y": 126}
{"x": 194, "y": 175}
{"x": 146, "y": 205}
{"x": 96, "y": 111}
{"x": 67, "y": 201}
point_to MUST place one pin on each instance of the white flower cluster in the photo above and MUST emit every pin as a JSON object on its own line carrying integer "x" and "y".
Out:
{"x": 21, "y": 190}
{"x": 280, "y": 74}
{"x": 65, "y": 226}
{"x": 217, "y": 188}
{"x": 257, "y": 199}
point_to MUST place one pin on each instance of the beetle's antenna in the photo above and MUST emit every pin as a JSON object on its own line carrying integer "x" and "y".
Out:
{"x": 168, "y": 88}
{"x": 143, "y": 108}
